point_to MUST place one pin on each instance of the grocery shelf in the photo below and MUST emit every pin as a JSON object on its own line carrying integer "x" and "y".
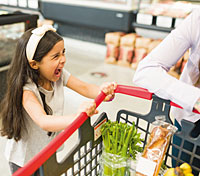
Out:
{"x": 157, "y": 23}
{"x": 30, "y": 20}
{"x": 10, "y": 18}
{"x": 32, "y": 5}
{"x": 152, "y": 27}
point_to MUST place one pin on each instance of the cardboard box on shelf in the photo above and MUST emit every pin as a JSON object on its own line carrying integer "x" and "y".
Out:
{"x": 128, "y": 39}
{"x": 141, "y": 50}
{"x": 173, "y": 73}
{"x": 153, "y": 44}
{"x": 127, "y": 44}
{"x": 112, "y": 39}
{"x": 140, "y": 53}
{"x": 126, "y": 55}
{"x": 142, "y": 42}
{"x": 129, "y": 49}
{"x": 185, "y": 59}
{"x": 112, "y": 54}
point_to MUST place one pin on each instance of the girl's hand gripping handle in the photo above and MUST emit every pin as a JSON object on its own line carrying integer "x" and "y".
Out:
{"x": 100, "y": 98}
{"x": 86, "y": 113}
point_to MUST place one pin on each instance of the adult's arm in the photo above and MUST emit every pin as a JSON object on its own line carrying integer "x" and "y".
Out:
{"x": 152, "y": 70}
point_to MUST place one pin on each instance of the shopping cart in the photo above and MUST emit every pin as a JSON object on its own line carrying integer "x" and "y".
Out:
{"x": 84, "y": 159}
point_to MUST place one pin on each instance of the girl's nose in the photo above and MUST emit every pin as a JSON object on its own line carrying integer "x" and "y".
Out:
{"x": 62, "y": 59}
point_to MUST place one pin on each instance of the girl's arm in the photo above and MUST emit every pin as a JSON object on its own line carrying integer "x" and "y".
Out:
{"x": 50, "y": 122}
{"x": 85, "y": 89}
{"x": 91, "y": 90}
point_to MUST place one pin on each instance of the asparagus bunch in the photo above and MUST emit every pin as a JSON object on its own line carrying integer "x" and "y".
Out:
{"x": 122, "y": 140}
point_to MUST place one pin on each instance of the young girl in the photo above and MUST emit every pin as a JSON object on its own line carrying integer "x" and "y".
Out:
{"x": 32, "y": 110}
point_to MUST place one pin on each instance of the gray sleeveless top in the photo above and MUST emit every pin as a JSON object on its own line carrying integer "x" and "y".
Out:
{"x": 34, "y": 139}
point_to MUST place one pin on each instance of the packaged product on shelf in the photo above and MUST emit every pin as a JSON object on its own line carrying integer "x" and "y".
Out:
{"x": 183, "y": 64}
{"x": 185, "y": 59}
{"x": 142, "y": 42}
{"x": 155, "y": 9}
{"x": 155, "y": 149}
{"x": 153, "y": 44}
{"x": 112, "y": 39}
{"x": 169, "y": 8}
{"x": 173, "y": 72}
{"x": 126, "y": 53}
{"x": 112, "y": 54}
{"x": 179, "y": 9}
{"x": 139, "y": 54}
{"x": 178, "y": 67}
{"x": 141, "y": 48}
{"x": 128, "y": 39}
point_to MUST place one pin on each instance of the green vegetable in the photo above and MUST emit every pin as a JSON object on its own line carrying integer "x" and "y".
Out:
{"x": 122, "y": 140}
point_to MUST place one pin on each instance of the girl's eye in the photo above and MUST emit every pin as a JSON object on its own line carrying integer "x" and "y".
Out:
{"x": 56, "y": 57}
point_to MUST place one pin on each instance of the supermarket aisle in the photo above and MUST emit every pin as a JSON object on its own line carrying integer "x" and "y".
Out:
{"x": 86, "y": 61}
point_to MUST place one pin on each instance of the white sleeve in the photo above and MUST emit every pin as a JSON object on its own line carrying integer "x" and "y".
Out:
{"x": 65, "y": 76}
{"x": 152, "y": 70}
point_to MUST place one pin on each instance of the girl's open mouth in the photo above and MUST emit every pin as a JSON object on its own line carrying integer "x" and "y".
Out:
{"x": 58, "y": 72}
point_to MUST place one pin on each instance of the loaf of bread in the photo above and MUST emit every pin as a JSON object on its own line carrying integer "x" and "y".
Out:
{"x": 156, "y": 147}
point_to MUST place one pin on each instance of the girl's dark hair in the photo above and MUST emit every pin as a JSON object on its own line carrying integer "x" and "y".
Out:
{"x": 12, "y": 116}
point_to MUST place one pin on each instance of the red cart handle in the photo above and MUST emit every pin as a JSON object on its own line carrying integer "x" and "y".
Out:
{"x": 142, "y": 93}
{"x": 51, "y": 148}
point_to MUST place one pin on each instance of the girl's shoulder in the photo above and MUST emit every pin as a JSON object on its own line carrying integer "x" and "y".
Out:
{"x": 65, "y": 76}
{"x": 30, "y": 85}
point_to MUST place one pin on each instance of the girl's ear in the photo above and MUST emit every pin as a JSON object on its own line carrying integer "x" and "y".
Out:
{"x": 33, "y": 64}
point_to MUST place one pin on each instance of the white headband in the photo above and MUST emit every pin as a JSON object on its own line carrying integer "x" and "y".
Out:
{"x": 35, "y": 38}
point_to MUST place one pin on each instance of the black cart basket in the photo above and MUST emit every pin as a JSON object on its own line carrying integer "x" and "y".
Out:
{"x": 84, "y": 159}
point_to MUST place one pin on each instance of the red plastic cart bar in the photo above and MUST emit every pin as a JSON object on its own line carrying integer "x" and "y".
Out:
{"x": 51, "y": 148}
